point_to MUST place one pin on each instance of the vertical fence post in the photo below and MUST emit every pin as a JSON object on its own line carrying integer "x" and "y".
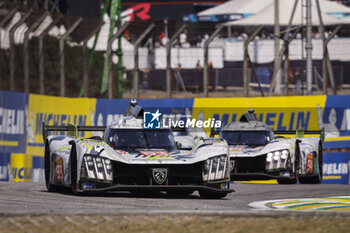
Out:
{"x": 205, "y": 60}
{"x": 281, "y": 53}
{"x": 109, "y": 54}
{"x": 324, "y": 58}
{"x": 286, "y": 72}
{"x": 46, "y": 5}
{"x": 328, "y": 60}
{"x": 41, "y": 54}
{"x": 26, "y": 50}
{"x": 12, "y": 47}
{"x": 86, "y": 59}
{"x": 246, "y": 73}
{"x": 168, "y": 59}
{"x": 7, "y": 17}
{"x": 135, "y": 84}
{"x": 61, "y": 44}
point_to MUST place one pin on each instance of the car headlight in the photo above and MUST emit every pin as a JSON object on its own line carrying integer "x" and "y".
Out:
{"x": 284, "y": 154}
{"x": 215, "y": 168}
{"x": 277, "y": 160}
{"x": 96, "y": 167}
{"x": 98, "y": 160}
{"x": 269, "y": 157}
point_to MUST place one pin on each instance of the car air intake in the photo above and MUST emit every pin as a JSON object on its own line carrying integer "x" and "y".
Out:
{"x": 127, "y": 174}
{"x": 250, "y": 165}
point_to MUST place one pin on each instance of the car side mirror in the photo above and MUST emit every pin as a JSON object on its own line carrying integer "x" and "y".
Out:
{"x": 181, "y": 146}
{"x": 178, "y": 145}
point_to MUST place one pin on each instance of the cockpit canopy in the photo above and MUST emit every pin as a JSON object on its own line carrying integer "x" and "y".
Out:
{"x": 250, "y": 138}
{"x": 122, "y": 138}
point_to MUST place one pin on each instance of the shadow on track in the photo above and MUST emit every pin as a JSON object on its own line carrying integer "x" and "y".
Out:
{"x": 124, "y": 194}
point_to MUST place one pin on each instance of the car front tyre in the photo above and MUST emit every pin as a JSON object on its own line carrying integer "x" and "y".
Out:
{"x": 49, "y": 186}
{"x": 73, "y": 170}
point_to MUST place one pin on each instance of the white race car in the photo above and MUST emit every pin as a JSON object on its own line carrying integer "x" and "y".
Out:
{"x": 131, "y": 158}
{"x": 257, "y": 154}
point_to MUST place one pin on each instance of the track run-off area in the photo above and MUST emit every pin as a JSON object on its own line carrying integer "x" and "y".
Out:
{"x": 28, "y": 207}
{"x": 29, "y": 198}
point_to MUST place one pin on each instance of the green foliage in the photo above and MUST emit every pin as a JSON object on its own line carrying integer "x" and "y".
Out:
{"x": 73, "y": 69}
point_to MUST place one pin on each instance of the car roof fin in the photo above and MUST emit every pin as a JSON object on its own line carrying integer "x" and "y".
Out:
{"x": 72, "y": 130}
{"x": 248, "y": 116}
{"x": 134, "y": 110}
{"x": 299, "y": 133}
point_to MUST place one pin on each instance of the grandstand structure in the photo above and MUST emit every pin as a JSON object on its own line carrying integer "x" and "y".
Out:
{"x": 183, "y": 64}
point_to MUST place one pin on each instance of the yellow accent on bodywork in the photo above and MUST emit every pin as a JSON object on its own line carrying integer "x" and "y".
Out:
{"x": 331, "y": 177}
{"x": 260, "y": 182}
{"x": 64, "y": 148}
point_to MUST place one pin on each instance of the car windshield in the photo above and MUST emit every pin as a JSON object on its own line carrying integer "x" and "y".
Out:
{"x": 141, "y": 138}
{"x": 251, "y": 138}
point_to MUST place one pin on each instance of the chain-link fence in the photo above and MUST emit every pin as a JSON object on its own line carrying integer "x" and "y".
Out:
{"x": 46, "y": 52}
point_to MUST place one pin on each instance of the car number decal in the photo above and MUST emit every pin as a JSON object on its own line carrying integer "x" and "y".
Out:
{"x": 59, "y": 169}
{"x": 236, "y": 149}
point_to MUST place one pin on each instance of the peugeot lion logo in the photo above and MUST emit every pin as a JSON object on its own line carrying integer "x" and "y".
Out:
{"x": 160, "y": 175}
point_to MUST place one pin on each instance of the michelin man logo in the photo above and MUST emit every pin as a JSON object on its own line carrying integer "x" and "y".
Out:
{"x": 152, "y": 120}
{"x": 331, "y": 130}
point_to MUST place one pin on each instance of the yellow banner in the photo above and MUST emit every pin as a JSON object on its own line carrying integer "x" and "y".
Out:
{"x": 280, "y": 113}
{"x": 56, "y": 111}
{"x": 21, "y": 167}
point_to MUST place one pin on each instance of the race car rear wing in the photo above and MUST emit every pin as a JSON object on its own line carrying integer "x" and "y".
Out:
{"x": 298, "y": 133}
{"x": 70, "y": 128}
{"x": 285, "y": 132}
{"x": 74, "y": 129}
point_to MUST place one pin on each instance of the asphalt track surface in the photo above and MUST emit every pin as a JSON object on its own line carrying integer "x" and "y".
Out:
{"x": 32, "y": 199}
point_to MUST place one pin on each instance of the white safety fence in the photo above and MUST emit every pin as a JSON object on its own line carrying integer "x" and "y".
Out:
{"x": 262, "y": 51}
{"x": 189, "y": 57}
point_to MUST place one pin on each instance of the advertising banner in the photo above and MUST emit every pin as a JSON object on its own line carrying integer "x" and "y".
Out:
{"x": 21, "y": 117}
{"x": 38, "y": 170}
{"x": 108, "y": 110}
{"x": 21, "y": 167}
{"x": 5, "y": 162}
{"x": 336, "y": 168}
{"x": 280, "y": 113}
{"x": 13, "y": 115}
{"x": 336, "y": 116}
{"x": 336, "y": 121}
{"x": 56, "y": 111}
